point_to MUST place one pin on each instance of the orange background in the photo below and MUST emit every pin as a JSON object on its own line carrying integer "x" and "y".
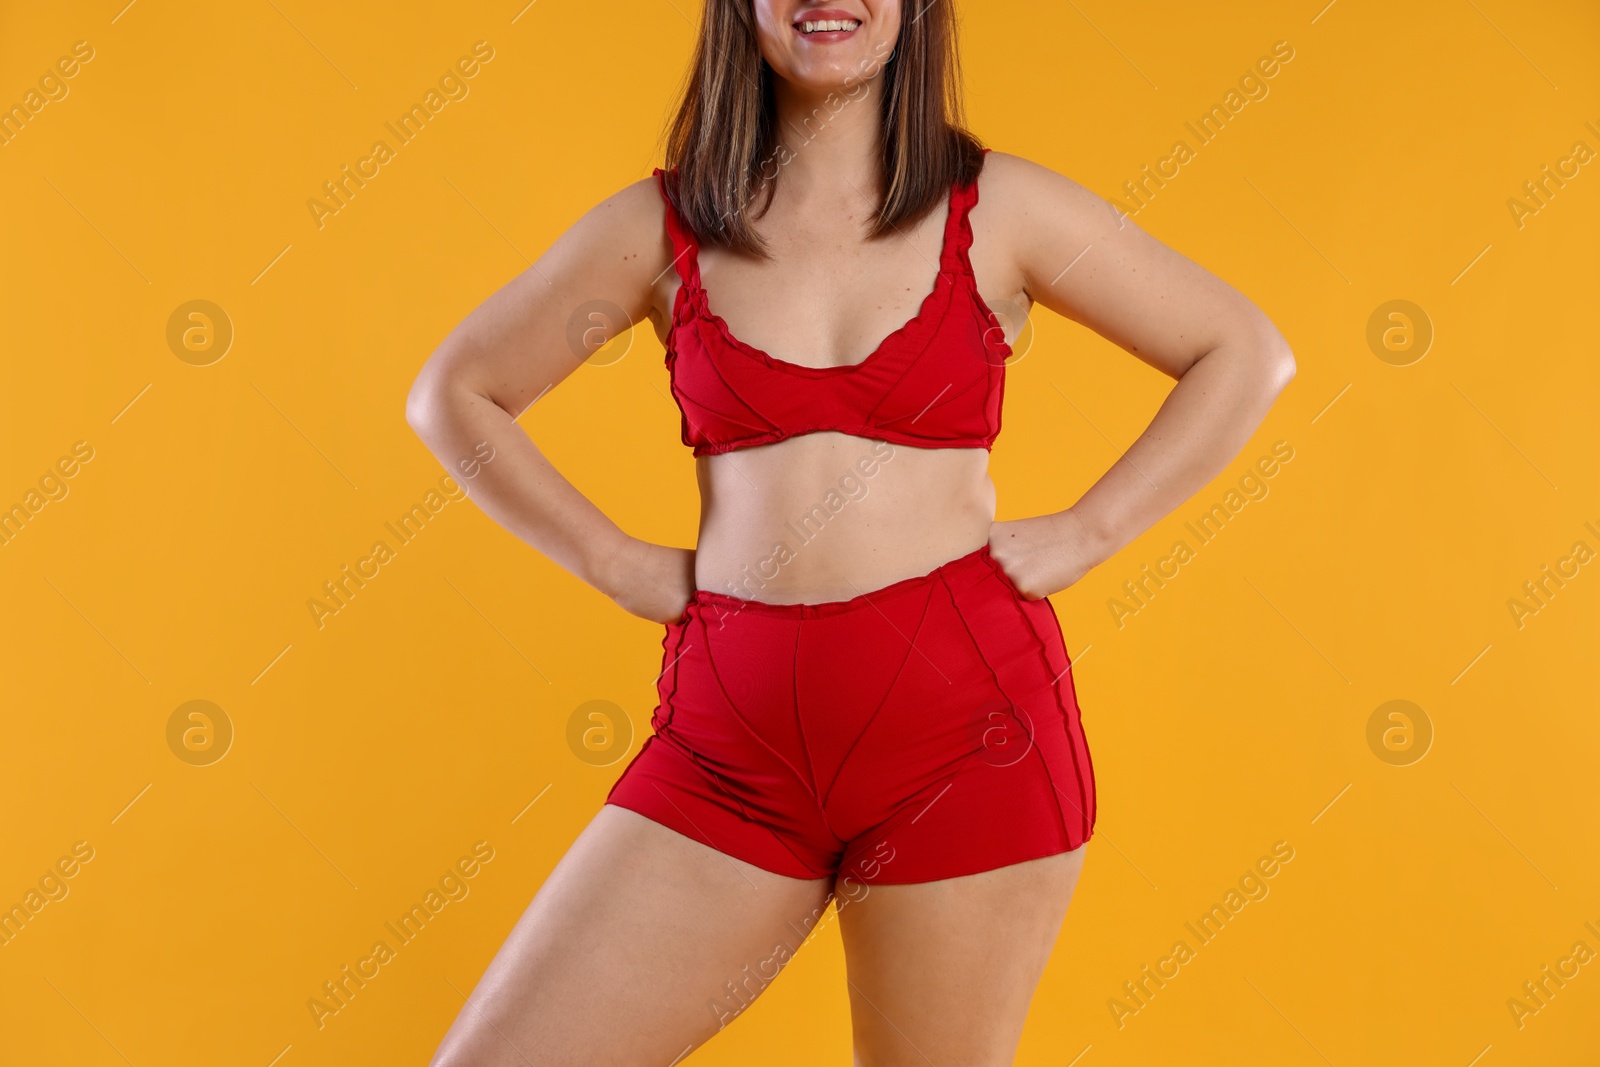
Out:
{"x": 370, "y": 754}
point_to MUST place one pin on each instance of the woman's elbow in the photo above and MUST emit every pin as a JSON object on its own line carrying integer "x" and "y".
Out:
{"x": 1274, "y": 358}
{"x": 422, "y": 400}
{"x": 1280, "y": 368}
{"x": 421, "y": 407}
{"x": 429, "y": 392}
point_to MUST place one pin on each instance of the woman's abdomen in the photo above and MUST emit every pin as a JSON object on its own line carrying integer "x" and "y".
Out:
{"x": 827, "y": 516}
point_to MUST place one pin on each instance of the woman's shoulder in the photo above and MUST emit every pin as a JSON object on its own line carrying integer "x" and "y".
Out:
{"x": 629, "y": 217}
{"x": 1021, "y": 192}
{"x": 637, "y": 202}
{"x": 617, "y": 244}
{"x": 1013, "y": 177}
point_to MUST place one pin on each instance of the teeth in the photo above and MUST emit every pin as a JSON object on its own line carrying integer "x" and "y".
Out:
{"x": 828, "y": 24}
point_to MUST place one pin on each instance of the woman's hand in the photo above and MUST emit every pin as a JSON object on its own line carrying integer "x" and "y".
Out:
{"x": 1044, "y": 554}
{"x": 651, "y": 581}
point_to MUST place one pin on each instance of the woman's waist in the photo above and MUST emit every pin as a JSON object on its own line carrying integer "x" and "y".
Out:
{"x": 822, "y": 556}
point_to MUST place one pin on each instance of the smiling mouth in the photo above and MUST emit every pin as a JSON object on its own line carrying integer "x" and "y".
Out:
{"x": 810, "y": 26}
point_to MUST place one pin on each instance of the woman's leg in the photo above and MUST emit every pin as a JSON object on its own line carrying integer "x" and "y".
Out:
{"x": 626, "y": 953}
{"x": 943, "y": 972}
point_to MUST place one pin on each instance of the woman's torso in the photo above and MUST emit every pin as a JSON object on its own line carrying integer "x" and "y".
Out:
{"x": 829, "y": 515}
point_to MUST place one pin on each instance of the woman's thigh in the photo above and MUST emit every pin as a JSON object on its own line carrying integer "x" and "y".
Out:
{"x": 943, "y": 972}
{"x": 641, "y": 944}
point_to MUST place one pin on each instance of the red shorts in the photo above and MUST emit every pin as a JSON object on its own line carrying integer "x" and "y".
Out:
{"x": 925, "y": 730}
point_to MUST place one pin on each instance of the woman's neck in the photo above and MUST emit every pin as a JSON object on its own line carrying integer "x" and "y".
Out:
{"x": 829, "y": 140}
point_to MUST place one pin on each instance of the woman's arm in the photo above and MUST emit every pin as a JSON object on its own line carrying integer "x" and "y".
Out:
{"x": 1229, "y": 360}
{"x": 514, "y": 348}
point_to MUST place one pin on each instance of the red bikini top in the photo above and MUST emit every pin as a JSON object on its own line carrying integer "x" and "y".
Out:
{"x": 936, "y": 382}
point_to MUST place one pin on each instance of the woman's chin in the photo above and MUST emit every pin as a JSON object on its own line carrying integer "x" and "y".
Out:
{"x": 821, "y": 79}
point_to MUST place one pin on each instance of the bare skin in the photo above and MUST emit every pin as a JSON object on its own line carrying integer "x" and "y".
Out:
{"x": 654, "y": 920}
{"x": 626, "y": 954}
{"x": 944, "y": 972}
{"x": 626, "y": 949}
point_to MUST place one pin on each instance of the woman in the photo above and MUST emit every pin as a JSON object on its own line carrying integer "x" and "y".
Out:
{"x": 864, "y": 696}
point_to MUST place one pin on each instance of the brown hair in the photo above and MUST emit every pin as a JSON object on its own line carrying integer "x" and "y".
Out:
{"x": 724, "y": 144}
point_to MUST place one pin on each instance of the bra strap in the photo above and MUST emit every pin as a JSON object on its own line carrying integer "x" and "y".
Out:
{"x": 958, "y": 227}
{"x": 685, "y": 250}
